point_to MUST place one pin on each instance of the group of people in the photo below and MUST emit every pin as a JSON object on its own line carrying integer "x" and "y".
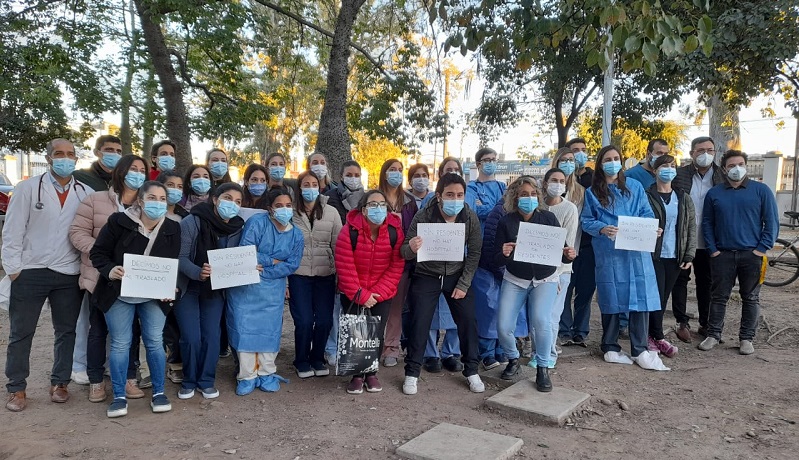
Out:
{"x": 334, "y": 248}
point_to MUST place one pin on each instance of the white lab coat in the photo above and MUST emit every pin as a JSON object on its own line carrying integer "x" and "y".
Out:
{"x": 39, "y": 238}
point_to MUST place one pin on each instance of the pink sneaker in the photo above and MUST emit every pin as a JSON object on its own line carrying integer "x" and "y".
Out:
{"x": 668, "y": 350}
{"x": 651, "y": 345}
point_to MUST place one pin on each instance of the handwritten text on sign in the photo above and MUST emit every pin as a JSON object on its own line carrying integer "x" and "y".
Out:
{"x": 149, "y": 277}
{"x": 233, "y": 267}
{"x": 637, "y": 234}
{"x": 441, "y": 242}
{"x": 540, "y": 244}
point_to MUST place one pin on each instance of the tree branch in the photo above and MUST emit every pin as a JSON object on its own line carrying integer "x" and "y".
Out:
{"x": 212, "y": 95}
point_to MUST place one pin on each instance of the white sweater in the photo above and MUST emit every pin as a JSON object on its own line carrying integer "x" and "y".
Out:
{"x": 569, "y": 218}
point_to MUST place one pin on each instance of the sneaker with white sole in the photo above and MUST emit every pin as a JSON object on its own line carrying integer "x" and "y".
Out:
{"x": 209, "y": 393}
{"x": 617, "y": 357}
{"x": 118, "y": 408}
{"x": 476, "y": 384}
{"x": 304, "y": 372}
{"x": 81, "y": 378}
{"x": 708, "y": 344}
{"x": 160, "y": 403}
{"x": 320, "y": 370}
{"x": 185, "y": 393}
{"x": 390, "y": 361}
{"x": 409, "y": 386}
{"x": 747, "y": 348}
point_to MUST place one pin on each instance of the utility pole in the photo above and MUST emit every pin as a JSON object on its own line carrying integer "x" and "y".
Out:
{"x": 607, "y": 105}
{"x": 444, "y": 149}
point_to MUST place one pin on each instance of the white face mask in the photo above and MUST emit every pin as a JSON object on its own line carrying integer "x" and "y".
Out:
{"x": 704, "y": 160}
{"x": 736, "y": 173}
{"x": 319, "y": 170}
{"x": 556, "y": 189}
{"x": 352, "y": 183}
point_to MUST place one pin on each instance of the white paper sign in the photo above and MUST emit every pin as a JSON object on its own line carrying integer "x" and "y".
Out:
{"x": 441, "y": 242}
{"x": 637, "y": 234}
{"x": 149, "y": 277}
{"x": 246, "y": 213}
{"x": 233, "y": 267}
{"x": 540, "y": 244}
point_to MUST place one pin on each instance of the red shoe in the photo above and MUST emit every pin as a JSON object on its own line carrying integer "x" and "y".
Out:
{"x": 373, "y": 384}
{"x": 666, "y": 349}
{"x": 355, "y": 386}
{"x": 650, "y": 344}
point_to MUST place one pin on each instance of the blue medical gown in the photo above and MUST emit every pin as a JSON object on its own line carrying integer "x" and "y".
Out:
{"x": 255, "y": 311}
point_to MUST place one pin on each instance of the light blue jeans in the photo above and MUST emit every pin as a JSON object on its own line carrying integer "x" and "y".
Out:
{"x": 81, "y": 336}
{"x": 120, "y": 330}
{"x": 540, "y": 302}
{"x": 332, "y": 339}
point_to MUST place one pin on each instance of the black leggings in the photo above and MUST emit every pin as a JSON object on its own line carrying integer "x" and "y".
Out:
{"x": 666, "y": 272}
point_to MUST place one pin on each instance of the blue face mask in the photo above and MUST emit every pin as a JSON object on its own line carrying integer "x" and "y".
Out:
{"x": 581, "y": 158}
{"x": 218, "y": 168}
{"x": 283, "y": 215}
{"x": 611, "y": 168}
{"x": 227, "y": 209}
{"x": 667, "y": 174}
{"x": 310, "y": 194}
{"x": 527, "y": 204}
{"x": 257, "y": 189}
{"x": 110, "y": 159}
{"x": 490, "y": 168}
{"x": 201, "y": 185}
{"x": 154, "y": 209}
{"x": 452, "y": 207}
{"x": 134, "y": 180}
{"x": 377, "y": 215}
{"x": 277, "y": 172}
{"x": 567, "y": 166}
{"x": 173, "y": 195}
{"x": 166, "y": 163}
{"x": 63, "y": 167}
{"x": 394, "y": 178}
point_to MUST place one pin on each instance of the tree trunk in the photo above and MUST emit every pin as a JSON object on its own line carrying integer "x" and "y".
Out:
{"x": 148, "y": 115}
{"x": 725, "y": 127}
{"x": 334, "y": 138}
{"x": 560, "y": 125}
{"x": 177, "y": 122}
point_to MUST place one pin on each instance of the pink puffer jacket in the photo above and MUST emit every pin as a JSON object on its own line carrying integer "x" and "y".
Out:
{"x": 92, "y": 215}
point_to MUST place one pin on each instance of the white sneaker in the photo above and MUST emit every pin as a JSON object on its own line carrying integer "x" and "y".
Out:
{"x": 409, "y": 386}
{"x": 617, "y": 357}
{"x": 475, "y": 384}
{"x": 81, "y": 378}
{"x": 650, "y": 361}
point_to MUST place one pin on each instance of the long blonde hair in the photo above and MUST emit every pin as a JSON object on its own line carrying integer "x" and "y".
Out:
{"x": 574, "y": 191}
{"x": 512, "y": 194}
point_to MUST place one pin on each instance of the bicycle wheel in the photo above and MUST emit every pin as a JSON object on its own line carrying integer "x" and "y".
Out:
{"x": 783, "y": 264}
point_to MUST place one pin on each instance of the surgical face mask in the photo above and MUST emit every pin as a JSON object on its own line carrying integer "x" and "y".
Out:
{"x": 257, "y": 189}
{"x": 227, "y": 209}
{"x": 490, "y": 168}
{"x": 667, "y": 174}
{"x": 352, "y": 183}
{"x": 201, "y": 185}
{"x": 218, "y": 168}
{"x": 277, "y": 172}
{"x": 166, "y": 163}
{"x": 377, "y": 215}
{"x": 704, "y": 160}
{"x": 452, "y": 207}
{"x": 581, "y": 158}
{"x": 736, "y": 173}
{"x": 310, "y": 194}
{"x": 110, "y": 159}
{"x": 63, "y": 167}
{"x": 527, "y": 204}
{"x": 394, "y": 178}
{"x": 134, "y": 180}
{"x": 652, "y": 161}
{"x": 319, "y": 170}
{"x": 556, "y": 189}
{"x": 567, "y": 166}
{"x": 283, "y": 215}
{"x": 420, "y": 184}
{"x": 173, "y": 195}
{"x": 154, "y": 209}
{"x": 611, "y": 168}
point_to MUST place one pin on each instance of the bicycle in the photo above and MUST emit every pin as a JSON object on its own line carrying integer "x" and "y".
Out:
{"x": 783, "y": 258}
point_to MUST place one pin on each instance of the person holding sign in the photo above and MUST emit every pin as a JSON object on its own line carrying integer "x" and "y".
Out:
{"x": 623, "y": 278}
{"x": 313, "y": 285}
{"x": 675, "y": 249}
{"x": 529, "y": 285}
{"x": 369, "y": 267}
{"x": 453, "y": 279}
{"x": 255, "y": 311}
{"x": 142, "y": 229}
{"x": 214, "y": 225}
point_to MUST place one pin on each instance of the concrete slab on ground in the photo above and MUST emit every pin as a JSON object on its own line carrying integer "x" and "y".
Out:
{"x": 446, "y": 441}
{"x": 523, "y": 400}
{"x": 526, "y": 372}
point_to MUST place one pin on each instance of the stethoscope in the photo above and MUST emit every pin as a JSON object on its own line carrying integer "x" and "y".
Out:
{"x": 39, "y": 205}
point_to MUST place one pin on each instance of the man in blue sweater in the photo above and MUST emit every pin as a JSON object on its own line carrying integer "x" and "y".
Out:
{"x": 643, "y": 171}
{"x": 739, "y": 223}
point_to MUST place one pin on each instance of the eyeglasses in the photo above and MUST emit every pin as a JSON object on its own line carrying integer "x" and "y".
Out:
{"x": 703, "y": 151}
{"x": 566, "y": 161}
{"x": 376, "y": 204}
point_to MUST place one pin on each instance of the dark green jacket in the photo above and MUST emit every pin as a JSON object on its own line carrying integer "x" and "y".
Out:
{"x": 94, "y": 176}
{"x": 686, "y": 223}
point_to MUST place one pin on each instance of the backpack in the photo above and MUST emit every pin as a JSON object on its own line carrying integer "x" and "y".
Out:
{"x": 392, "y": 236}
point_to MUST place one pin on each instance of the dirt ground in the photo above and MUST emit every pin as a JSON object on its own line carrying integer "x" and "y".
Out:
{"x": 712, "y": 405}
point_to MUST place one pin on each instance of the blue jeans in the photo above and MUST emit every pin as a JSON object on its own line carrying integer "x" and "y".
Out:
{"x": 581, "y": 288}
{"x": 557, "y": 310}
{"x": 199, "y": 323}
{"x": 539, "y": 301}
{"x": 331, "y": 347}
{"x": 450, "y": 347}
{"x": 311, "y": 307}
{"x": 120, "y": 327}
{"x": 490, "y": 348}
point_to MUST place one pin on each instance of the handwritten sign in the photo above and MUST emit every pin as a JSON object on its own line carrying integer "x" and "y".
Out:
{"x": 246, "y": 213}
{"x": 540, "y": 244}
{"x": 637, "y": 234}
{"x": 149, "y": 277}
{"x": 233, "y": 267}
{"x": 441, "y": 242}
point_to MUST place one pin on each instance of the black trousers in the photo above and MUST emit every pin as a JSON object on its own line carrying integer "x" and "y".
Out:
{"x": 423, "y": 296}
{"x": 679, "y": 299}
{"x": 638, "y": 324}
{"x": 666, "y": 272}
{"x": 380, "y": 309}
{"x": 172, "y": 339}
{"x": 28, "y": 293}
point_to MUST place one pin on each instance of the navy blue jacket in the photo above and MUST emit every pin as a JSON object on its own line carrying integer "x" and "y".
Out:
{"x": 507, "y": 230}
{"x": 490, "y": 232}
{"x": 743, "y": 218}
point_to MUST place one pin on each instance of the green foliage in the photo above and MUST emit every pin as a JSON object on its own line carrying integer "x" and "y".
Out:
{"x": 630, "y": 136}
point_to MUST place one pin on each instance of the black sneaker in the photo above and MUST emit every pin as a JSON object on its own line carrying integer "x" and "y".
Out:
{"x": 490, "y": 363}
{"x": 118, "y": 408}
{"x": 209, "y": 393}
{"x": 432, "y": 365}
{"x": 542, "y": 381}
{"x": 511, "y": 370}
{"x": 160, "y": 403}
{"x": 453, "y": 364}
{"x": 579, "y": 341}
